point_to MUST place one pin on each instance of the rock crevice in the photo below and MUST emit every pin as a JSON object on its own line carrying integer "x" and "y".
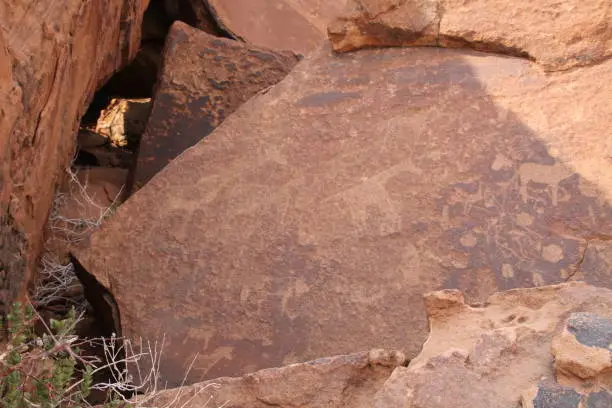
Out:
{"x": 56, "y": 55}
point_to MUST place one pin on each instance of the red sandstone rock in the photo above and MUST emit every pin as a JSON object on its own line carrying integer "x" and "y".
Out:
{"x": 204, "y": 79}
{"x": 296, "y": 25}
{"x": 497, "y": 354}
{"x": 349, "y": 381}
{"x": 53, "y": 56}
{"x": 557, "y": 35}
{"x": 313, "y": 219}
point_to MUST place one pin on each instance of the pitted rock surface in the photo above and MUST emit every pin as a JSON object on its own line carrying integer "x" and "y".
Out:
{"x": 556, "y": 396}
{"x": 295, "y": 25}
{"x": 496, "y": 353}
{"x": 311, "y": 221}
{"x": 601, "y": 399}
{"x": 557, "y": 35}
{"x": 591, "y": 330}
{"x": 204, "y": 79}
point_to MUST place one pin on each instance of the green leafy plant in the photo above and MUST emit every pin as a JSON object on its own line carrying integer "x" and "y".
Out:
{"x": 50, "y": 370}
{"x": 41, "y": 371}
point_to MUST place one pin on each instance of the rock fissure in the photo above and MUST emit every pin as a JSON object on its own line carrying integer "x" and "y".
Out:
{"x": 578, "y": 266}
{"x": 219, "y": 21}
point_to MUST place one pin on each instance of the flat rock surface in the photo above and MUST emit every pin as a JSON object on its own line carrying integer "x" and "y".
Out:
{"x": 312, "y": 220}
{"x": 557, "y": 35}
{"x": 495, "y": 354}
{"x": 203, "y": 80}
{"x": 296, "y": 25}
{"x": 348, "y": 381}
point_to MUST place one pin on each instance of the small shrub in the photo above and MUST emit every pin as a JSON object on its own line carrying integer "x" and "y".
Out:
{"x": 42, "y": 371}
{"x": 51, "y": 371}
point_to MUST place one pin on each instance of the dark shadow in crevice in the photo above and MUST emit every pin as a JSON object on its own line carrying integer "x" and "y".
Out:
{"x": 137, "y": 79}
{"x": 106, "y": 327}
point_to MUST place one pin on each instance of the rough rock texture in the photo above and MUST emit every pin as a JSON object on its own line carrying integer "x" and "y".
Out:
{"x": 348, "y": 381}
{"x": 312, "y": 220}
{"x": 296, "y": 25}
{"x": 124, "y": 120}
{"x": 548, "y": 394}
{"x": 496, "y": 354}
{"x": 558, "y": 35}
{"x": 584, "y": 348}
{"x": 53, "y": 55}
{"x": 204, "y": 79}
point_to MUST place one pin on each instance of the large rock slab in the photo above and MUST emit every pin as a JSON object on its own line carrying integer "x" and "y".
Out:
{"x": 313, "y": 219}
{"x": 296, "y": 25}
{"x": 204, "y": 79}
{"x": 557, "y": 35}
{"x": 521, "y": 345}
{"x": 332, "y": 382}
{"x": 53, "y": 56}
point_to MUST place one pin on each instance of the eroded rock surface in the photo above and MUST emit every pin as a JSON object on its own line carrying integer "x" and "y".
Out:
{"x": 311, "y": 221}
{"x": 497, "y": 354}
{"x": 53, "y": 55}
{"x": 332, "y": 382}
{"x": 295, "y": 25}
{"x": 556, "y": 35}
{"x": 204, "y": 79}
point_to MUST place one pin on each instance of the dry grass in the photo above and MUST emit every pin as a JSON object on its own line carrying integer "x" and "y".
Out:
{"x": 58, "y": 283}
{"x": 119, "y": 353}
{"x": 148, "y": 383}
{"x": 91, "y": 214}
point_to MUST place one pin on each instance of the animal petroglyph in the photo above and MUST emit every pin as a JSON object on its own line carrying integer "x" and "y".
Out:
{"x": 542, "y": 174}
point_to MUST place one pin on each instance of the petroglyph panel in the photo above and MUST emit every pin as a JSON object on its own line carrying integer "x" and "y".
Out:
{"x": 506, "y": 221}
{"x": 312, "y": 221}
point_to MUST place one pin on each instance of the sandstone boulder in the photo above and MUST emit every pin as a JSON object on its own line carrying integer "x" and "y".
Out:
{"x": 497, "y": 354}
{"x": 333, "y": 382}
{"x": 557, "y": 35}
{"x": 204, "y": 79}
{"x": 53, "y": 56}
{"x": 311, "y": 221}
{"x": 295, "y": 25}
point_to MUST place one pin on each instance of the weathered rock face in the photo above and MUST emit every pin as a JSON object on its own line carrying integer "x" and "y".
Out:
{"x": 501, "y": 353}
{"x": 334, "y": 382}
{"x": 204, "y": 80}
{"x": 53, "y": 55}
{"x": 295, "y": 25}
{"x": 311, "y": 221}
{"x": 556, "y": 35}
